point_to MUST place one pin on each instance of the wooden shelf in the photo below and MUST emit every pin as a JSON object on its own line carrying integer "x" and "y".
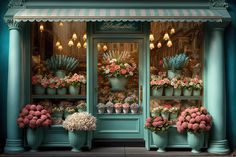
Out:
{"x": 58, "y": 97}
{"x": 177, "y": 97}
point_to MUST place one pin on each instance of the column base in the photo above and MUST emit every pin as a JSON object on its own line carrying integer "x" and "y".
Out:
{"x": 219, "y": 147}
{"x": 13, "y": 146}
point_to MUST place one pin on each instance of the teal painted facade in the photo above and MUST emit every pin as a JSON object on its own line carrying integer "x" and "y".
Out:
{"x": 230, "y": 76}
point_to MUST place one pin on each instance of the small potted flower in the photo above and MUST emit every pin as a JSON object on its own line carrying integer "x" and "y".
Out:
{"x": 134, "y": 108}
{"x": 70, "y": 109}
{"x": 157, "y": 85}
{"x": 52, "y": 85}
{"x": 168, "y": 87}
{"x": 74, "y": 83}
{"x": 34, "y": 117}
{"x": 109, "y": 107}
{"x": 195, "y": 121}
{"x": 125, "y": 108}
{"x": 177, "y": 84}
{"x": 156, "y": 111}
{"x": 57, "y": 114}
{"x": 61, "y": 84}
{"x": 165, "y": 112}
{"x": 78, "y": 124}
{"x": 187, "y": 85}
{"x": 101, "y": 108}
{"x": 159, "y": 127}
{"x": 174, "y": 112}
{"x": 81, "y": 106}
{"x": 118, "y": 107}
{"x": 197, "y": 85}
{"x": 38, "y": 82}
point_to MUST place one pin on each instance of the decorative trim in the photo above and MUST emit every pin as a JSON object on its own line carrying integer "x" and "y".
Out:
{"x": 16, "y": 3}
{"x": 12, "y": 24}
{"x": 219, "y": 4}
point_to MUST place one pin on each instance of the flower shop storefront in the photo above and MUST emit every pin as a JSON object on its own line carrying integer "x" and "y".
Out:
{"x": 148, "y": 71}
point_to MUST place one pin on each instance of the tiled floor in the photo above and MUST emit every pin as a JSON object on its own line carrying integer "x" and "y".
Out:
{"x": 108, "y": 152}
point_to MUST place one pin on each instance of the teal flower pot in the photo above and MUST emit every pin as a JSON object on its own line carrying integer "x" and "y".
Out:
{"x": 57, "y": 114}
{"x": 38, "y": 89}
{"x": 169, "y": 91}
{"x": 187, "y": 91}
{"x": 196, "y": 92}
{"x": 174, "y": 73}
{"x": 77, "y": 140}
{"x": 157, "y": 91}
{"x": 173, "y": 115}
{"x": 34, "y": 138}
{"x": 177, "y": 91}
{"x": 61, "y": 91}
{"x": 51, "y": 91}
{"x": 165, "y": 115}
{"x": 60, "y": 73}
{"x": 74, "y": 90}
{"x": 160, "y": 139}
{"x": 81, "y": 110}
{"x": 195, "y": 141}
{"x": 118, "y": 84}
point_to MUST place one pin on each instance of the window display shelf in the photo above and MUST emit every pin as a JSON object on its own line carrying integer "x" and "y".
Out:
{"x": 177, "y": 97}
{"x": 59, "y": 97}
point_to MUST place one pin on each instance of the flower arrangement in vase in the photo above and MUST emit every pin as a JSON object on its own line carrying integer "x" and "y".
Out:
{"x": 187, "y": 85}
{"x": 125, "y": 108}
{"x": 57, "y": 114}
{"x": 165, "y": 112}
{"x": 52, "y": 85}
{"x": 118, "y": 107}
{"x": 157, "y": 85}
{"x": 177, "y": 84}
{"x": 78, "y": 124}
{"x": 39, "y": 83}
{"x": 197, "y": 85}
{"x": 109, "y": 107}
{"x": 101, "y": 107}
{"x": 134, "y": 108}
{"x": 74, "y": 83}
{"x": 195, "y": 121}
{"x": 61, "y": 86}
{"x": 81, "y": 106}
{"x": 159, "y": 127}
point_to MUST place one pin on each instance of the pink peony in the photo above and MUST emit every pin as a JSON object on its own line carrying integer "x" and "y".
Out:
{"x": 181, "y": 119}
{"x": 31, "y": 112}
{"x": 32, "y": 122}
{"x": 202, "y": 126}
{"x": 185, "y": 125}
{"x": 43, "y": 117}
{"x": 25, "y": 111}
{"x": 33, "y": 107}
{"x": 27, "y": 106}
{"x": 188, "y": 118}
{"x": 26, "y": 121}
{"x": 37, "y": 113}
{"x": 198, "y": 118}
{"x": 39, "y": 107}
{"x": 192, "y": 120}
{"x": 149, "y": 119}
{"x": 193, "y": 115}
{"x": 147, "y": 124}
{"x": 44, "y": 111}
{"x": 157, "y": 119}
{"x": 159, "y": 123}
{"x": 29, "y": 117}
{"x": 190, "y": 126}
{"x": 155, "y": 124}
{"x": 195, "y": 127}
{"x": 21, "y": 125}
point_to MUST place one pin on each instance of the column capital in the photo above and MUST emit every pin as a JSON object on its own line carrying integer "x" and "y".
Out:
{"x": 12, "y": 24}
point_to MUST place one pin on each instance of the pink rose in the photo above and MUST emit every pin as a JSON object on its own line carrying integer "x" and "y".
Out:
{"x": 44, "y": 111}
{"x": 21, "y": 125}
{"x": 157, "y": 119}
{"x": 32, "y": 122}
{"x": 190, "y": 126}
{"x": 193, "y": 115}
{"x": 188, "y": 118}
{"x": 147, "y": 124}
{"x": 202, "y": 126}
{"x": 149, "y": 119}
{"x": 198, "y": 118}
{"x": 39, "y": 107}
{"x": 33, "y": 107}
{"x": 155, "y": 124}
{"x": 192, "y": 120}
{"x": 185, "y": 125}
{"x": 181, "y": 119}
{"x": 29, "y": 117}
{"x": 37, "y": 113}
{"x": 159, "y": 123}
{"x": 195, "y": 127}
{"x": 26, "y": 121}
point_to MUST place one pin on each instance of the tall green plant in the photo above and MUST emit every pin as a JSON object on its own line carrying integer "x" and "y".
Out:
{"x": 176, "y": 62}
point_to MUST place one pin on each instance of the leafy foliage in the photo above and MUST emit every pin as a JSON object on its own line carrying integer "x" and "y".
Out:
{"x": 176, "y": 62}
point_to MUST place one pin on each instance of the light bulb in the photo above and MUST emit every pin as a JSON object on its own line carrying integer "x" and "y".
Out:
{"x": 99, "y": 47}
{"x": 169, "y": 43}
{"x": 61, "y": 24}
{"x": 85, "y": 45}
{"x": 159, "y": 45}
{"x": 74, "y": 36}
{"x": 58, "y": 43}
{"x": 79, "y": 45}
{"x": 166, "y": 36}
{"x": 104, "y": 47}
{"x": 41, "y": 28}
{"x": 151, "y": 46}
{"x": 85, "y": 37}
{"x": 60, "y": 48}
{"x": 151, "y": 37}
{"x": 70, "y": 43}
{"x": 172, "y": 31}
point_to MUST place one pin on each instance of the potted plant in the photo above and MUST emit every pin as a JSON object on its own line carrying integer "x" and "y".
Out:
{"x": 187, "y": 85}
{"x": 159, "y": 127}
{"x": 175, "y": 64}
{"x": 157, "y": 85}
{"x": 101, "y": 107}
{"x": 74, "y": 83}
{"x": 77, "y": 125}
{"x": 197, "y": 85}
{"x": 125, "y": 108}
{"x": 195, "y": 121}
{"x": 70, "y": 109}
{"x": 39, "y": 85}
{"x": 52, "y": 85}
{"x": 34, "y": 117}
{"x": 177, "y": 84}
{"x": 61, "y": 84}
{"x": 156, "y": 111}
{"x": 109, "y": 107}
{"x": 134, "y": 108}
{"x": 117, "y": 67}
{"x": 118, "y": 107}
{"x": 57, "y": 113}
{"x": 165, "y": 112}
{"x": 174, "y": 112}
{"x": 168, "y": 87}
{"x": 81, "y": 106}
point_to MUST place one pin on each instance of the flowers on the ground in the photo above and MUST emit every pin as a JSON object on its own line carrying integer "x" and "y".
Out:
{"x": 194, "y": 119}
{"x": 156, "y": 124}
{"x": 33, "y": 116}
{"x": 76, "y": 80}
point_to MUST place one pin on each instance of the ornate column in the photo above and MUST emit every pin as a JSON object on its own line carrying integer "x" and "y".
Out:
{"x": 215, "y": 93}
{"x": 14, "y": 139}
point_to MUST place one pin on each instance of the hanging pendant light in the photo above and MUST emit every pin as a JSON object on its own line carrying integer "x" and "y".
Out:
{"x": 85, "y": 37}
{"x": 151, "y": 37}
{"x": 41, "y": 28}
{"x": 60, "y": 48}
{"x": 104, "y": 47}
{"x": 166, "y": 36}
{"x": 85, "y": 45}
{"x": 70, "y": 43}
{"x": 99, "y": 47}
{"x": 58, "y": 43}
{"x": 151, "y": 46}
{"x": 74, "y": 36}
{"x": 159, "y": 45}
{"x": 172, "y": 31}
{"x": 61, "y": 24}
{"x": 169, "y": 43}
{"x": 78, "y": 45}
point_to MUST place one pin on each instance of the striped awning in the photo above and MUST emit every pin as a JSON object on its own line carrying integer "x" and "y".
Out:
{"x": 158, "y": 15}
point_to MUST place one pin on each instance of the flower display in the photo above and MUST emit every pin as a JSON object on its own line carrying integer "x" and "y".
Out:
{"x": 101, "y": 105}
{"x": 125, "y": 106}
{"x": 76, "y": 80}
{"x": 118, "y": 105}
{"x": 156, "y": 124}
{"x": 39, "y": 80}
{"x": 82, "y": 121}
{"x": 158, "y": 81}
{"x": 197, "y": 82}
{"x": 176, "y": 82}
{"x": 134, "y": 106}
{"x": 194, "y": 120}
{"x": 33, "y": 116}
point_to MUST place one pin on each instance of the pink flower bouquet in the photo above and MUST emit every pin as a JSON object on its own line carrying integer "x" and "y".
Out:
{"x": 76, "y": 80}
{"x": 34, "y": 116}
{"x": 156, "y": 124}
{"x": 194, "y": 120}
{"x": 39, "y": 80}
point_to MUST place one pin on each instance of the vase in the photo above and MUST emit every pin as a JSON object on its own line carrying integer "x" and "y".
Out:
{"x": 169, "y": 91}
{"x": 34, "y": 138}
{"x": 195, "y": 141}
{"x": 187, "y": 91}
{"x": 81, "y": 110}
{"x": 160, "y": 139}
{"x": 177, "y": 91}
{"x": 77, "y": 140}
{"x": 57, "y": 118}
{"x": 125, "y": 110}
{"x": 38, "y": 89}
{"x": 74, "y": 90}
{"x": 109, "y": 110}
{"x": 118, "y": 110}
{"x": 157, "y": 91}
{"x": 165, "y": 115}
{"x": 196, "y": 92}
{"x": 101, "y": 110}
{"x": 61, "y": 73}
{"x": 134, "y": 110}
{"x": 118, "y": 83}
{"x": 174, "y": 73}
{"x": 66, "y": 114}
{"x": 173, "y": 115}
{"x": 57, "y": 114}
{"x": 154, "y": 114}
{"x": 51, "y": 91}
{"x": 61, "y": 91}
